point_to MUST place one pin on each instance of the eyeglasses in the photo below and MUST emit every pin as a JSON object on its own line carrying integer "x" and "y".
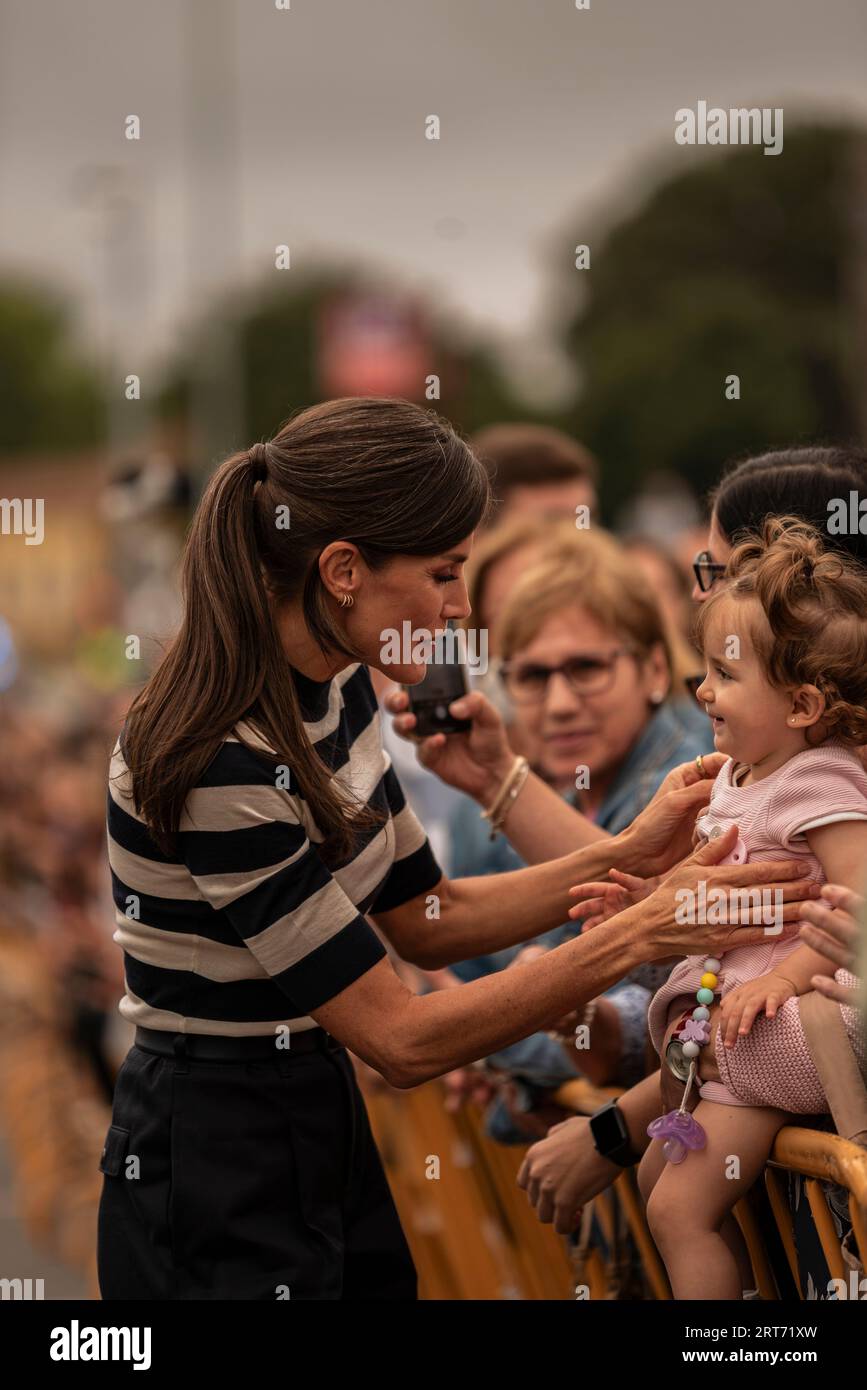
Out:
{"x": 589, "y": 674}
{"x": 707, "y": 571}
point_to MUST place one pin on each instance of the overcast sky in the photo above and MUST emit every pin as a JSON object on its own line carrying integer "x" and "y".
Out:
{"x": 547, "y": 112}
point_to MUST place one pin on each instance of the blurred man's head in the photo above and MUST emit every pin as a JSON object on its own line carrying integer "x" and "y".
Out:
{"x": 536, "y": 470}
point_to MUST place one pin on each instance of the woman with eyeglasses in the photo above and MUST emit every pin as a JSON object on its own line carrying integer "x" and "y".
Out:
{"x": 785, "y": 482}
{"x": 586, "y": 669}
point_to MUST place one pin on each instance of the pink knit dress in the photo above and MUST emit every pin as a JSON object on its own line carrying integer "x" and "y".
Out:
{"x": 772, "y": 1065}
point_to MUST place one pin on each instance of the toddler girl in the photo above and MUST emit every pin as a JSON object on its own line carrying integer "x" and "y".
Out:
{"x": 785, "y": 645}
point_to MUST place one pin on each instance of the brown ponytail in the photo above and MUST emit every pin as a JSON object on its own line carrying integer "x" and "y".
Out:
{"x": 389, "y": 476}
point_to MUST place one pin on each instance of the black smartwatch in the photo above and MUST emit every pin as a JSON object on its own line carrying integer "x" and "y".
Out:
{"x": 611, "y": 1137}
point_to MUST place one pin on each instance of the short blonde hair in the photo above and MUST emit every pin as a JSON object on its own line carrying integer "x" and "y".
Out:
{"x": 585, "y": 569}
{"x": 495, "y": 546}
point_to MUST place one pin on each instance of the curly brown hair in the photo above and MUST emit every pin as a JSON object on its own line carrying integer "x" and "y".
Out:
{"x": 814, "y": 628}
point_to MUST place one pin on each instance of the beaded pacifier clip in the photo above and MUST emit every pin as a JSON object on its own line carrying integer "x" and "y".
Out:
{"x": 678, "y": 1130}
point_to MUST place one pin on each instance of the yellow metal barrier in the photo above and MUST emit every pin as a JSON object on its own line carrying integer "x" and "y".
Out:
{"x": 472, "y": 1232}
{"x": 817, "y": 1155}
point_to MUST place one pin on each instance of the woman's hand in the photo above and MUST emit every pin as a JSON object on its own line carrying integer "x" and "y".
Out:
{"x": 832, "y": 927}
{"x": 741, "y": 1007}
{"x": 662, "y": 833}
{"x": 673, "y": 921}
{"x": 599, "y": 901}
{"x": 476, "y": 762}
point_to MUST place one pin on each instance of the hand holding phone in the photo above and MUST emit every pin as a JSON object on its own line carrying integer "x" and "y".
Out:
{"x": 445, "y": 681}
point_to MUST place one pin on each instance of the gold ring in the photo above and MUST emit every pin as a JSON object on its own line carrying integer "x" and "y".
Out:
{"x": 699, "y": 764}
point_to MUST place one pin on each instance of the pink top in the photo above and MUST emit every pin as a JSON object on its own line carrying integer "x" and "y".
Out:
{"x": 816, "y": 787}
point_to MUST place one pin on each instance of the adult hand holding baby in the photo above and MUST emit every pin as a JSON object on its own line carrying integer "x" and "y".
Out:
{"x": 672, "y": 912}
{"x": 662, "y": 834}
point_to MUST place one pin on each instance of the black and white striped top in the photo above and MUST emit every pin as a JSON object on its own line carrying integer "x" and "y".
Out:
{"x": 247, "y": 929}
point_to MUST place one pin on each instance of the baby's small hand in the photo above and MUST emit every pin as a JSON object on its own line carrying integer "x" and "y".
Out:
{"x": 599, "y": 901}
{"x": 742, "y": 1005}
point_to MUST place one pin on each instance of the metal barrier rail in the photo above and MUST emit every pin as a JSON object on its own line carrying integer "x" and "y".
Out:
{"x": 815, "y": 1154}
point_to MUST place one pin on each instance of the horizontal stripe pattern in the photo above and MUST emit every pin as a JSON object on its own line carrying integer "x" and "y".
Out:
{"x": 246, "y": 930}
{"x": 137, "y": 1011}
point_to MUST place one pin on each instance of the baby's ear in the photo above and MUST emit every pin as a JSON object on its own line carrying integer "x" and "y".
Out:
{"x": 808, "y": 706}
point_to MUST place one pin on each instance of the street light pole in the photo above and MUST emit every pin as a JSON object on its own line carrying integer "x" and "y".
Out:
{"x": 212, "y": 225}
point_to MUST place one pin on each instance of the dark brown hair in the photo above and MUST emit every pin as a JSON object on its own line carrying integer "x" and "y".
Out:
{"x": 387, "y": 475}
{"x": 518, "y": 455}
{"x": 814, "y": 631}
{"x": 798, "y": 482}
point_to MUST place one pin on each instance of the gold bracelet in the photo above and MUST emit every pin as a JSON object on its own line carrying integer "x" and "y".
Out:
{"x": 493, "y": 811}
{"x": 520, "y": 778}
{"x": 504, "y": 785}
{"x": 502, "y": 803}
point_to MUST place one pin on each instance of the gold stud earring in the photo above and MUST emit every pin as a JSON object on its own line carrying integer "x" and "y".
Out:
{"x": 346, "y": 599}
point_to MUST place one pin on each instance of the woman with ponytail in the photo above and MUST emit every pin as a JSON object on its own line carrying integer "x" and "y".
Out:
{"x": 255, "y": 823}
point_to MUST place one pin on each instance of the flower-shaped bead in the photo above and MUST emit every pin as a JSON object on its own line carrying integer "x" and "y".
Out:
{"x": 695, "y": 1030}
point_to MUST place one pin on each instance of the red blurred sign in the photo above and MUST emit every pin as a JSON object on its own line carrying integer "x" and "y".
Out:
{"x": 373, "y": 345}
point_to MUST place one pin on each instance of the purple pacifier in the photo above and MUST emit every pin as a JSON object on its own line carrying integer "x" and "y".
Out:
{"x": 680, "y": 1132}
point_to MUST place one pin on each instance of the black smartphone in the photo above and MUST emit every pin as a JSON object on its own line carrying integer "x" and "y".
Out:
{"x": 429, "y": 701}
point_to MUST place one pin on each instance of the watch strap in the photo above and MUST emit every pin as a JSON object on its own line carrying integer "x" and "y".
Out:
{"x": 622, "y": 1153}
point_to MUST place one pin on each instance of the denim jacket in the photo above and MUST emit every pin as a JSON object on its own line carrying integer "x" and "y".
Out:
{"x": 663, "y": 744}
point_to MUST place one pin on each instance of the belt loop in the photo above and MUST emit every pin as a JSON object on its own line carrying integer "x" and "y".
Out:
{"x": 179, "y": 1047}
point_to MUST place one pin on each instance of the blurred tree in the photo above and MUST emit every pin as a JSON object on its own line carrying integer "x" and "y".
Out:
{"x": 278, "y": 350}
{"x": 50, "y": 398}
{"x": 741, "y": 265}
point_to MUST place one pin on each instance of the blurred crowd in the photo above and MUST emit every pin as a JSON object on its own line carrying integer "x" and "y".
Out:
{"x": 60, "y": 972}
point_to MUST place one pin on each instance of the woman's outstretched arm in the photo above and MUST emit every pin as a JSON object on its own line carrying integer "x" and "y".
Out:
{"x": 411, "y": 1038}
